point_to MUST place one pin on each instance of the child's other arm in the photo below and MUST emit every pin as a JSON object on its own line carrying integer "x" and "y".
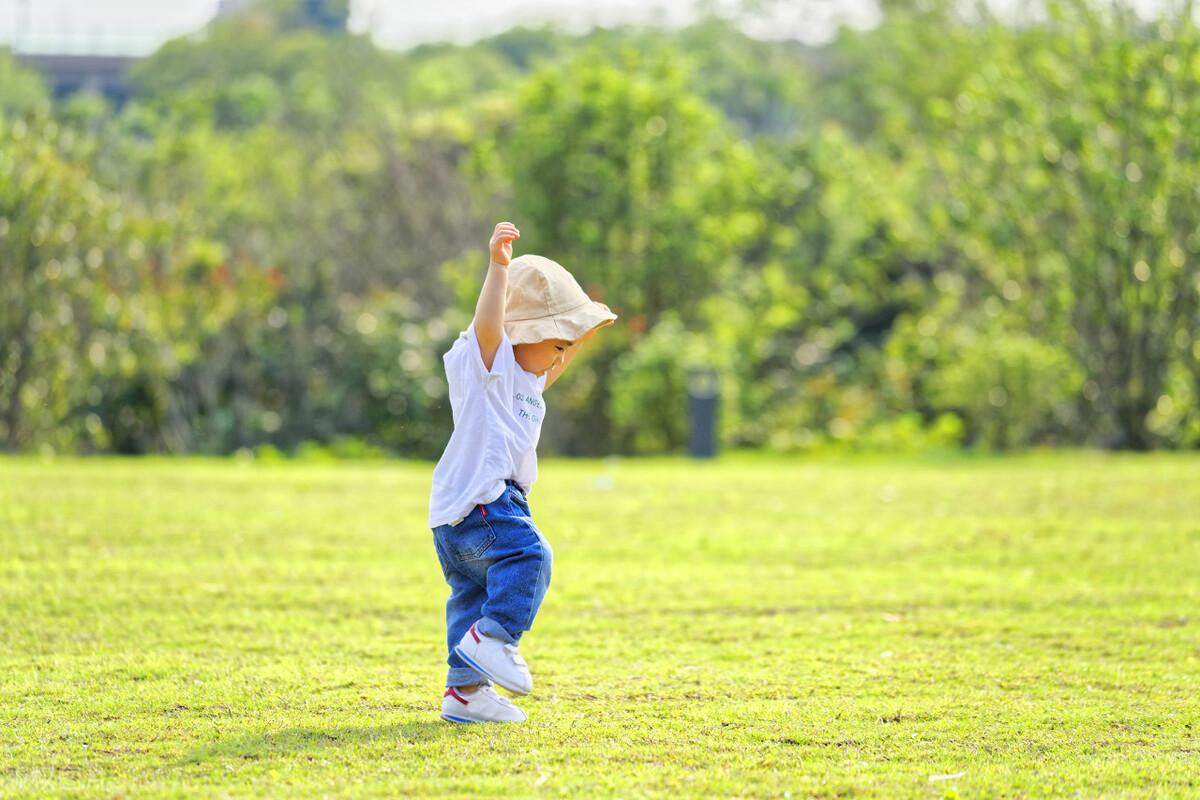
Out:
{"x": 489, "y": 311}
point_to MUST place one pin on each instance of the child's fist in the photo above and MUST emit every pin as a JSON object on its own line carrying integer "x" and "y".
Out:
{"x": 501, "y": 244}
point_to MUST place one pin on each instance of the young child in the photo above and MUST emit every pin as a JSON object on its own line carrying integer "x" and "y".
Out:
{"x": 530, "y": 321}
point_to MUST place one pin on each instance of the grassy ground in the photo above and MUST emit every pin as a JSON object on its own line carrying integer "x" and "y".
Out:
{"x": 757, "y": 627}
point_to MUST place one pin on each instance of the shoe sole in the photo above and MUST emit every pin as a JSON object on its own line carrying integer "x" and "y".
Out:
{"x": 514, "y": 689}
{"x": 465, "y": 721}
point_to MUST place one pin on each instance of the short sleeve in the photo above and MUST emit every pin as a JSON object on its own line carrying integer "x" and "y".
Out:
{"x": 468, "y": 359}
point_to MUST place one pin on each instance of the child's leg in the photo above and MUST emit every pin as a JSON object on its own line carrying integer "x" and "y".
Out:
{"x": 517, "y": 577}
{"x": 464, "y": 607}
{"x": 458, "y": 549}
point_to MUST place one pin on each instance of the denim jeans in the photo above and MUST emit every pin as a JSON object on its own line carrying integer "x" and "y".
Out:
{"x": 498, "y": 566}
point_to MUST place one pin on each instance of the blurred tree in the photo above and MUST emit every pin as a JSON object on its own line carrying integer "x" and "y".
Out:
{"x": 1071, "y": 164}
{"x": 56, "y": 232}
{"x": 614, "y": 164}
{"x": 266, "y": 65}
{"x": 837, "y": 256}
{"x": 617, "y": 174}
{"x": 944, "y": 228}
{"x": 22, "y": 91}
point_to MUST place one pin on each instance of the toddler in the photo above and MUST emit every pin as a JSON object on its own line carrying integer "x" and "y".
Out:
{"x": 530, "y": 321}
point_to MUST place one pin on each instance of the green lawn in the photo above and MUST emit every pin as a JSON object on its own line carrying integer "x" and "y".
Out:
{"x": 754, "y": 627}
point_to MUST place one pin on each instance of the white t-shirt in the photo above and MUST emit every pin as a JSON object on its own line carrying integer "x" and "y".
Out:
{"x": 497, "y": 423}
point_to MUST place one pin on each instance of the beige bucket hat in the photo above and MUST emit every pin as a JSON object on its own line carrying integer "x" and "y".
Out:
{"x": 544, "y": 301}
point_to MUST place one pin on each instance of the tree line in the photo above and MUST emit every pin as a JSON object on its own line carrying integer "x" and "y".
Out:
{"x": 947, "y": 230}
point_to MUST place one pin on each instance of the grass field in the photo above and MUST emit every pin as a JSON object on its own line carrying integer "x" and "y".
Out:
{"x": 754, "y": 627}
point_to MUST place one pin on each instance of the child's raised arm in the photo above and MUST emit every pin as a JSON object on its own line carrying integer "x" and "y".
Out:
{"x": 489, "y": 311}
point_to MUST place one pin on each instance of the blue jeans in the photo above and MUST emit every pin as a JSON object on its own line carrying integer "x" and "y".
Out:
{"x": 498, "y": 566}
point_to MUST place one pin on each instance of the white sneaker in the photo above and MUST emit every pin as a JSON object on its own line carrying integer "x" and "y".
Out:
{"x": 481, "y": 705}
{"x": 496, "y": 659}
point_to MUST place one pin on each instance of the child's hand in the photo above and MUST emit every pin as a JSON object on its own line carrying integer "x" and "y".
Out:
{"x": 501, "y": 244}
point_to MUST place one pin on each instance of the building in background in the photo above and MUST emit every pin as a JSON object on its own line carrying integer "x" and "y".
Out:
{"x": 107, "y": 74}
{"x": 68, "y": 73}
{"x": 330, "y": 15}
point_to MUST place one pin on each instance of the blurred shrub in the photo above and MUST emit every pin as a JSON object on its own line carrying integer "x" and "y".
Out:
{"x": 342, "y": 447}
{"x": 67, "y": 263}
{"x": 618, "y": 164}
{"x": 1009, "y": 388}
{"x": 649, "y": 387}
{"x": 911, "y": 433}
{"x": 22, "y": 91}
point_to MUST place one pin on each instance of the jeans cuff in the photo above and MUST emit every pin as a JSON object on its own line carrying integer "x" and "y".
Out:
{"x": 489, "y": 627}
{"x": 464, "y": 676}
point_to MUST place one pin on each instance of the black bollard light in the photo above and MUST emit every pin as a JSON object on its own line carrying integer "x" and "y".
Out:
{"x": 703, "y": 393}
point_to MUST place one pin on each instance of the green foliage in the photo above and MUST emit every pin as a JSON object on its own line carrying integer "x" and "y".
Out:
{"x": 1011, "y": 388}
{"x": 622, "y": 180}
{"x": 1086, "y": 141}
{"x": 257, "y": 68}
{"x": 910, "y": 433}
{"x": 807, "y": 321}
{"x": 650, "y": 385}
{"x": 944, "y": 229}
{"x": 65, "y": 253}
{"x": 614, "y": 163}
{"x": 21, "y": 91}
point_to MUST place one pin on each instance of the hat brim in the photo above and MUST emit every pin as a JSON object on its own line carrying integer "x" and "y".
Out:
{"x": 569, "y": 325}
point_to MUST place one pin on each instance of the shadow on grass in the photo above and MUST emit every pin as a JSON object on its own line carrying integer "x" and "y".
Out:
{"x": 295, "y": 741}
